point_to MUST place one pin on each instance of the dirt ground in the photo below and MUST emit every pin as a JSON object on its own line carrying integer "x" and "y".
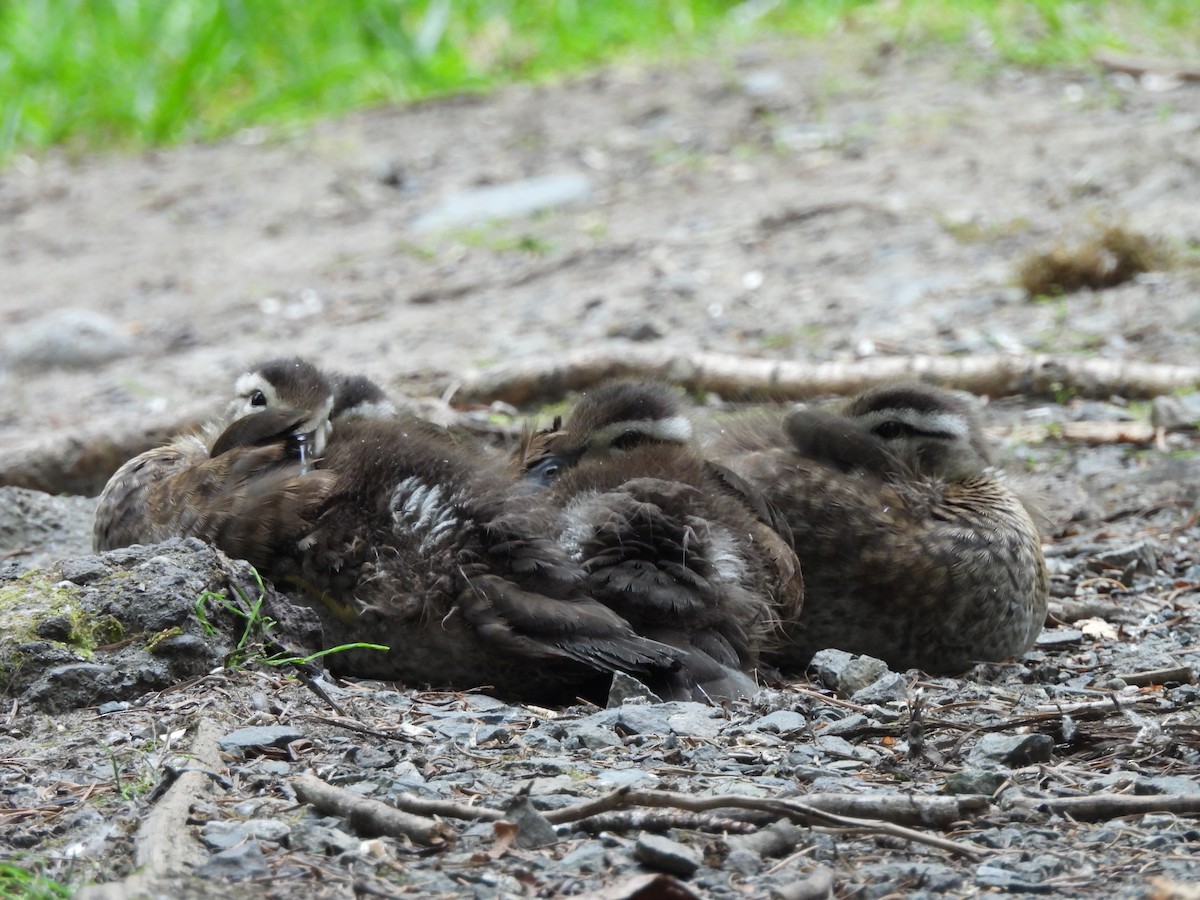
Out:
{"x": 790, "y": 201}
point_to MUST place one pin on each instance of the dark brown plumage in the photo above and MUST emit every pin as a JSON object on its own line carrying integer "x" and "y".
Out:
{"x": 665, "y": 539}
{"x": 424, "y": 545}
{"x": 913, "y": 550}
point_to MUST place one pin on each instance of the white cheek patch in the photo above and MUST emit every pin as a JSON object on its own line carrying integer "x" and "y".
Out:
{"x": 244, "y": 387}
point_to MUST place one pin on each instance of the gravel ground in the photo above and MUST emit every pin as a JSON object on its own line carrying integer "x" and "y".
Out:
{"x": 840, "y": 203}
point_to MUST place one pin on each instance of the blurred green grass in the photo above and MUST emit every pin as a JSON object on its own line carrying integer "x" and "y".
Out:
{"x": 92, "y": 74}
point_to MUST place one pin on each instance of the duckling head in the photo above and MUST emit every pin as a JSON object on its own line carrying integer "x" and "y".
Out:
{"x": 608, "y": 422}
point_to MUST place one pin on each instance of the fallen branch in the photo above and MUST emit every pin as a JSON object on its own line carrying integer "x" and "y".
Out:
{"x": 370, "y": 817}
{"x": 1099, "y": 807}
{"x": 165, "y": 847}
{"x": 1184, "y": 70}
{"x": 745, "y": 378}
{"x": 80, "y": 462}
{"x": 841, "y": 810}
{"x": 658, "y": 821}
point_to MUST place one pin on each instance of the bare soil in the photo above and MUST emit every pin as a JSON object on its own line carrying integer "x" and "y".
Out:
{"x": 791, "y": 201}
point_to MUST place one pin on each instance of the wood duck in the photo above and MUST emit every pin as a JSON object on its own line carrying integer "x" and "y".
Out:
{"x": 425, "y": 544}
{"x": 245, "y": 482}
{"x": 670, "y": 542}
{"x": 913, "y": 549}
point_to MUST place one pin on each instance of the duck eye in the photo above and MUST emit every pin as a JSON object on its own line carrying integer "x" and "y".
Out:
{"x": 258, "y": 398}
{"x": 890, "y": 430}
{"x": 546, "y": 471}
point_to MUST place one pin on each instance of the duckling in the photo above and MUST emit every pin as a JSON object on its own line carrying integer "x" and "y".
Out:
{"x": 244, "y": 482}
{"x": 913, "y": 549}
{"x": 423, "y": 544}
{"x": 670, "y": 542}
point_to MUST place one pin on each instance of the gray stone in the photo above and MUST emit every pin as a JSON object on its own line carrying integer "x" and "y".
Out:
{"x": 534, "y": 831}
{"x": 41, "y": 528}
{"x": 221, "y": 835}
{"x": 1175, "y": 412}
{"x": 889, "y": 688}
{"x": 594, "y": 737}
{"x": 1141, "y": 555}
{"x": 782, "y": 721}
{"x": 371, "y": 758}
{"x": 239, "y": 863}
{"x": 617, "y": 778}
{"x": 745, "y": 863}
{"x": 625, "y": 687}
{"x": 83, "y": 569}
{"x": 666, "y": 855}
{"x": 259, "y": 736}
{"x": 840, "y": 748}
{"x": 506, "y": 201}
{"x": 849, "y": 724}
{"x": 590, "y": 857}
{"x": 1059, "y": 637}
{"x": 638, "y": 330}
{"x": 67, "y": 338}
{"x": 846, "y": 673}
{"x": 317, "y": 838}
{"x": 931, "y": 876}
{"x": 763, "y": 83}
{"x": 1012, "y": 749}
{"x": 974, "y": 781}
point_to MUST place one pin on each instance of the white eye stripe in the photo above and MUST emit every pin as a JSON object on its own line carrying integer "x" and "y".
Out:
{"x": 676, "y": 429}
{"x": 925, "y": 422}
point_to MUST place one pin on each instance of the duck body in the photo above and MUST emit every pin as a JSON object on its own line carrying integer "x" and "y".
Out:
{"x": 913, "y": 549}
{"x": 424, "y": 545}
{"x": 663, "y": 540}
{"x": 244, "y": 483}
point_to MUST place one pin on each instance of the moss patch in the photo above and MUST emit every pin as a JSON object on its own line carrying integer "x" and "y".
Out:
{"x": 1114, "y": 256}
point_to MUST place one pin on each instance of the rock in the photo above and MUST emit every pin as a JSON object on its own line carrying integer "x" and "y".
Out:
{"x": 1059, "y": 637}
{"x": 371, "y": 758}
{"x": 1140, "y": 556}
{"x": 763, "y": 83}
{"x": 745, "y": 863}
{"x": 888, "y": 688}
{"x": 319, "y": 838}
{"x": 638, "y": 330}
{"x": 594, "y": 737}
{"x": 625, "y": 687}
{"x": 666, "y": 855}
{"x": 83, "y": 570}
{"x": 39, "y": 529}
{"x": 782, "y": 721}
{"x": 1175, "y": 413}
{"x": 534, "y": 831}
{"x": 505, "y": 201}
{"x": 121, "y": 623}
{"x": 846, "y": 673}
{"x": 591, "y": 857}
{"x": 1012, "y": 749}
{"x": 259, "y": 737}
{"x": 69, "y": 339}
{"x": 239, "y": 863}
{"x": 222, "y": 834}
{"x": 974, "y": 781}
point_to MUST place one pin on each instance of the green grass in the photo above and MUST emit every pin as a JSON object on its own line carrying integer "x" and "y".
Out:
{"x": 17, "y": 881}
{"x": 132, "y": 73}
